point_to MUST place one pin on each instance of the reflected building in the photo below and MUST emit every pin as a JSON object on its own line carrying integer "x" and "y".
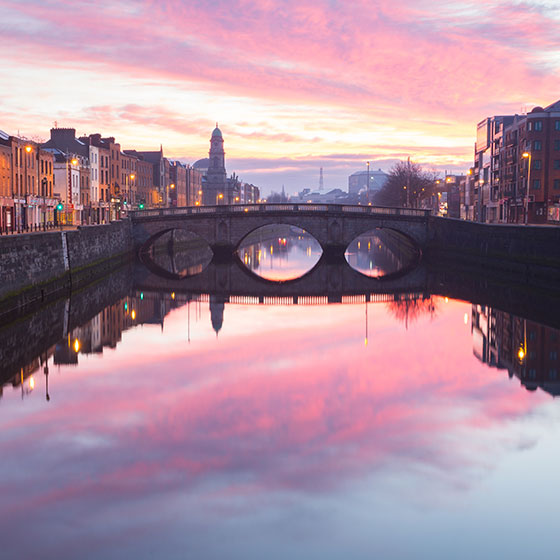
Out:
{"x": 217, "y": 305}
{"x": 527, "y": 350}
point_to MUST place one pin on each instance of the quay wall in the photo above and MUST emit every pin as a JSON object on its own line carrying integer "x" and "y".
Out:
{"x": 533, "y": 250}
{"x": 38, "y": 265}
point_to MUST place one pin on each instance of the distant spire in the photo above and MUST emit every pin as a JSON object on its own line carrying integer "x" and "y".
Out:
{"x": 216, "y": 124}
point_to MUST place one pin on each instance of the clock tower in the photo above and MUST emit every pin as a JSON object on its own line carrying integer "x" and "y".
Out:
{"x": 216, "y": 180}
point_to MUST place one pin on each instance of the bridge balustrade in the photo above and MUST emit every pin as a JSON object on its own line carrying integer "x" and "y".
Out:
{"x": 334, "y": 208}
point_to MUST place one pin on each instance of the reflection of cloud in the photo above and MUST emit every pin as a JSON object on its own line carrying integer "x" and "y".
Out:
{"x": 229, "y": 422}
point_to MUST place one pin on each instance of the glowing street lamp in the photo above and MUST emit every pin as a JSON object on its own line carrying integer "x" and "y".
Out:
{"x": 527, "y": 155}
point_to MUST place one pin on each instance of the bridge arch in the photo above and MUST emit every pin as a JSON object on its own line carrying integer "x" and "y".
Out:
{"x": 333, "y": 226}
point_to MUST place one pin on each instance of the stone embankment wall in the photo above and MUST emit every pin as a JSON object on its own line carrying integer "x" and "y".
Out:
{"x": 51, "y": 322}
{"x": 530, "y": 250}
{"x": 37, "y": 265}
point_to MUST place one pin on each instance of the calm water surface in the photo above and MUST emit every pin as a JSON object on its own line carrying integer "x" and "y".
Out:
{"x": 182, "y": 426}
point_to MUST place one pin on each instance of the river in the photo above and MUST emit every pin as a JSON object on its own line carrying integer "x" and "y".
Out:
{"x": 149, "y": 423}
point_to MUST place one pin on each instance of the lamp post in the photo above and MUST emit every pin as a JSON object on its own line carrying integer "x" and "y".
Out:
{"x": 28, "y": 150}
{"x": 219, "y": 197}
{"x": 129, "y": 197}
{"x": 527, "y": 155}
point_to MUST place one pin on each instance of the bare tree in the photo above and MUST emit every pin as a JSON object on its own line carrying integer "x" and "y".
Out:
{"x": 406, "y": 185}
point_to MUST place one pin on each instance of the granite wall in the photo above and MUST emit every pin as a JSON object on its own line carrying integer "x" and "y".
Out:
{"x": 35, "y": 266}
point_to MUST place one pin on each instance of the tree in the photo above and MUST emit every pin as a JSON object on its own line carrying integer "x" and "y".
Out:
{"x": 277, "y": 197}
{"x": 405, "y": 186}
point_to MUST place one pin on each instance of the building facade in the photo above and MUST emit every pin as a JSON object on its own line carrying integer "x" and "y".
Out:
{"x": 516, "y": 173}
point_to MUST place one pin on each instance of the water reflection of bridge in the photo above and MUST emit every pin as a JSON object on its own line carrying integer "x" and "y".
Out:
{"x": 330, "y": 281}
{"x": 153, "y": 297}
{"x": 517, "y": 292}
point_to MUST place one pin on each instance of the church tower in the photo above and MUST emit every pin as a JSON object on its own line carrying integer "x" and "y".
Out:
{"x": 216, "y": 179}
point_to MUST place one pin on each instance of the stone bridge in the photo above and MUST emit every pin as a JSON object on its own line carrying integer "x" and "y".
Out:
{"x": 334, "y": 226}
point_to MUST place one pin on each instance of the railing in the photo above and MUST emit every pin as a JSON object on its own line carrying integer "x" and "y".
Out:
{"x": 279, "y": 208}
{"x": 30, "y": 228}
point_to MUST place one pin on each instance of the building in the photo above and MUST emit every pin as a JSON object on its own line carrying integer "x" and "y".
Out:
{"x": 100, "y": 165}
{"x": 69, "y": 172}
{"x": 31, "y": 184}
{"x": 489, "y": 140}
{"x": 178, "y": 188}
{"x": 6, "y": 198}
{"x": 516, "y": 173}
{"x": 371, "y": 181}
{"x": 160, "y": 175}
{"x": 194, "y": 186}
{"x": 216, "y": 191}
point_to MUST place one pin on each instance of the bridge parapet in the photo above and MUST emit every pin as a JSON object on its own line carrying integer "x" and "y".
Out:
{"x": 139, "y": 215}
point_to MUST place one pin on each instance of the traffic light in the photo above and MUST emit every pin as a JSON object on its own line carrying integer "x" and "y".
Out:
{"x": 60, "y": 206}
{"x": 141, "y": 206}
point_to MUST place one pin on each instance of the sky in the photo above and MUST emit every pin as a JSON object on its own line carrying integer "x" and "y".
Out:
{"x": 294, "y": 85}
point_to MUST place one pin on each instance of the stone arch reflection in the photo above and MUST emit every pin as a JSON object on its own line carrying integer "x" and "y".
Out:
{"x": 279, "y": 252}
{"x": 177, "y": 253}
{"x": 381, "y": 253}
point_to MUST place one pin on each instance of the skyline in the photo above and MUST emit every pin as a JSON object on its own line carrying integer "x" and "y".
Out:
{"x": 294, "y": 86}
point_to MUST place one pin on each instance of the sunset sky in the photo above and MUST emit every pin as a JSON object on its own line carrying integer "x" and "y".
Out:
{"x": 294, "y": 85}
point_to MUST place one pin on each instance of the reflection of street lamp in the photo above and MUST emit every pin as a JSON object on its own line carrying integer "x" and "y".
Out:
{"x": 522, "y": 352}
{"x": 527, "y": 155}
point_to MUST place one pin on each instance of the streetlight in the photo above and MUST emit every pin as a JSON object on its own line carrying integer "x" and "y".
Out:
{"x": 171, "y": 200}
{"x": 219, "y": 197}
{"x": 527, "y": 155}
{"x": 132, "y": 177}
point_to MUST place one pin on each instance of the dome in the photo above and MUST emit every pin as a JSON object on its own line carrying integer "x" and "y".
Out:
{"x": 201, "y": 163}
{"x": 217, "y": 132}
{"x": 535, "y": 110}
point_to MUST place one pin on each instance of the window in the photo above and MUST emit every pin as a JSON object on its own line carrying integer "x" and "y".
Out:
{"x": 538, "y": 126}
{"x": 553, "y": 355}
{"x": 537, "y": 184}
{"x": 556, "y": 125}
{"x": 537, "y": 164}
{"x": 557, "y": 145}
{"x": 557, "y": 164}
{"x": 557, "y": 184}
{"x": 537, "y": 145}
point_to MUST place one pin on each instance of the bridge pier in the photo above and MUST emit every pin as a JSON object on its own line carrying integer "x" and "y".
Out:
{"x": 223, "y": 253}
{"x": 334, "y": 254}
